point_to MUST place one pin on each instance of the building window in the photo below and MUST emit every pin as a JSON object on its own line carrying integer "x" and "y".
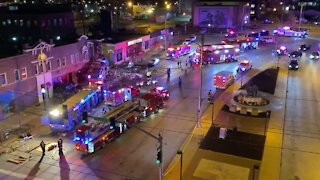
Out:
{"x": 36, "y": 69}
{"x": 4, "y": 23}
{"x": 3, "y": 79}
{"x": 21, "y": 22}
{"x": 119, "y": 55}
{"x": 64, "y": 61}
{"x": 9, "y": 21}
{"x": 72, "y": 58}
{"x": 16, "y": 22}
{"x": 28, "y": 23}
{"x": 17, "y": 74}
{"x": 24, "y": 73}
{"x": 60, "y": 22}
{"x": 59, "y": 62}
{"x": 48, "y": 65}
{"x": 252, "y": 12}
{"x": 253, "y": 5}
{"x": 35, "y": 22}
{"x": 49, "y": 22}
{"x": 55, "y": 22}
{"x": 41, "y": 68}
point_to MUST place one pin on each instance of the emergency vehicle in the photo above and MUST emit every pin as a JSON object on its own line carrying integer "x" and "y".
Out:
{"x": 177, "y": 51}
{"x": 117, "y": 94}
{"x": 96, "y": 73}
{"x": 150, "y": 103}
{"x": 219, "y": 53}
{"x": 162, "y": 91}
{"x": 223, "y": 79}
{"x": 287, "y": 31}
{"x": 231, "y": 33}
{"x": 95, "y": 135}
{"x": 67, "y": 115}
{"x": 242, "y": 43}
{"x": 282, "y": 50}
{"x": 244, "y": 65}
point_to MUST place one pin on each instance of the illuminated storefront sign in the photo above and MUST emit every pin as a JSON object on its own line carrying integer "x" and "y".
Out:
{"x": 134, "y": 41}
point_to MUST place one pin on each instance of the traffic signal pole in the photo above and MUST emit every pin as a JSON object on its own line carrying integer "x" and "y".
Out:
{"x": 159, "y": 150}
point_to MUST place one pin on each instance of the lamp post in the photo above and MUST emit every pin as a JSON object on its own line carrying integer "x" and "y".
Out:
{"x": 180, "y": 153}
{"x": 200, "y": 88}
{"x": 168, "y": 6}
{"x": 301, "y": 9}
{"x": 43, "y": 91}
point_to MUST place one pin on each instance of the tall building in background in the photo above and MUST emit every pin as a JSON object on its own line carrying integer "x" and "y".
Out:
{"x": 23, "y": 25}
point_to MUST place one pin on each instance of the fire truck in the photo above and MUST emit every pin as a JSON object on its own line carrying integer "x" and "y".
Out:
{"x": 243, "y": 43}
{"x": 219, "y": 53}
{"x": 95, "y": 135}
{"x": 177, "y": 51}
{"x": 96, "y": 73}
{"x": 67, "y": 115}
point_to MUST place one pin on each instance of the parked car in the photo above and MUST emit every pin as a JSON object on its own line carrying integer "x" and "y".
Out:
{"x": 293, "y": 64}
{"x": 295, "y": 54}
{"x": 153, "y": 62}
{"x": 315, "y": 55}
{"x": 305, "y": 47}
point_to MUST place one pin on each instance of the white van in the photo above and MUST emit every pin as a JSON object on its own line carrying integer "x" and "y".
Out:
{"x": 223, "y": 79}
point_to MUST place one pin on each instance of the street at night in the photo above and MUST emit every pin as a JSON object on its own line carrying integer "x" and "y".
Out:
{"x": 85, "y": 93}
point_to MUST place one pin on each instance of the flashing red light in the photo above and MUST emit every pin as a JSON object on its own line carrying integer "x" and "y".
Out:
{"x": 77, "y": 147}
{"x": 79, "y": 130}
{"x": 247, "y": 40}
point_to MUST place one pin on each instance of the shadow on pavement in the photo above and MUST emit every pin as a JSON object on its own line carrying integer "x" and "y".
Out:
{"x": 266, "y": 80}
{"x": 64, "y": 168}
{"x": 32, "y": 174}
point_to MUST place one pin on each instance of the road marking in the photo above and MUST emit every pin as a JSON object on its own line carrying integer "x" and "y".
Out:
{"x": 18, "y": 175}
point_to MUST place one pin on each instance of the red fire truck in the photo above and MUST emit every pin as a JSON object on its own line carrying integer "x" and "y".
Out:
{"x": 243, "y": 43}
{"x": 177, "y": 51}
{"x": 96, "y": 73}
{"x": 217, "y": 54}
{"x": 95, "y": 135}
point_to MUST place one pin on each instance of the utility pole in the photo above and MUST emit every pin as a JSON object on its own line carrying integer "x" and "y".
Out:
{"x": 200, "y": 88}
{"x": 301, "y": 9}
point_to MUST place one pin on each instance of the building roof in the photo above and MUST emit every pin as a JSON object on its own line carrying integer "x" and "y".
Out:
{"x": 220, "y": 3}
{"x": 120, "y": 37}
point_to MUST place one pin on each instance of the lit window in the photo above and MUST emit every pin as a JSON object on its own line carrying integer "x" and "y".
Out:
{"x": 77, "y": 57}
{"x": 17, "y": 74}
{"x": 21, "y": 22}
{"x": 24, "y": 73}
{"x": 3, "y": 79}
{"x": 253, "y": 5}
{"x": 252, "y": 12}
{"x": 9, "y": 21}
{"x": 4, "y": 23}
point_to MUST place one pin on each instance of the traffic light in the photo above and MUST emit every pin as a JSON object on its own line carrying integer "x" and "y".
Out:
{"x": 84, "y": 117}
{"x": 159, "y": 155}
{"x": 112, "y": 122}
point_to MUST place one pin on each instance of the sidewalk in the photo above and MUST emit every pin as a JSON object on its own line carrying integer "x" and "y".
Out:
{"x": 196, "y": 160}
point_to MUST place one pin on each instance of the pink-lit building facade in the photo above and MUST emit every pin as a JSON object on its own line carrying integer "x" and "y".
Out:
{"x": 25, "y": 77}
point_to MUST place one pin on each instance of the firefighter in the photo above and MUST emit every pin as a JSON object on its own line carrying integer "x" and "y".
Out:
{"x": 60, "y": 146}
{"x": 209, "y": 95}
{"x": 43, "y": 147}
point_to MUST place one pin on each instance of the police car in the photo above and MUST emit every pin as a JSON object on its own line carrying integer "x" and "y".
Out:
{"x": 282, "y": 50}
{"x": 244, "y": 65}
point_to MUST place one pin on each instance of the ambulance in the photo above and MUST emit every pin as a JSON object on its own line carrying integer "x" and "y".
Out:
{"x": 223, "y": 79}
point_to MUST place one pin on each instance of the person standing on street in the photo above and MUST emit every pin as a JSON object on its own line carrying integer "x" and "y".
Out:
{"x": 60, "y": 146}
{"x": 43, "y": 147}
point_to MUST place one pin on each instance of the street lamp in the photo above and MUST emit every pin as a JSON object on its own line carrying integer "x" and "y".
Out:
{"x": 180, "y": 153}
{"x": 43, "y": 91}
{"x": 200, "y": 88}
{"x": 168, "y": 6}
